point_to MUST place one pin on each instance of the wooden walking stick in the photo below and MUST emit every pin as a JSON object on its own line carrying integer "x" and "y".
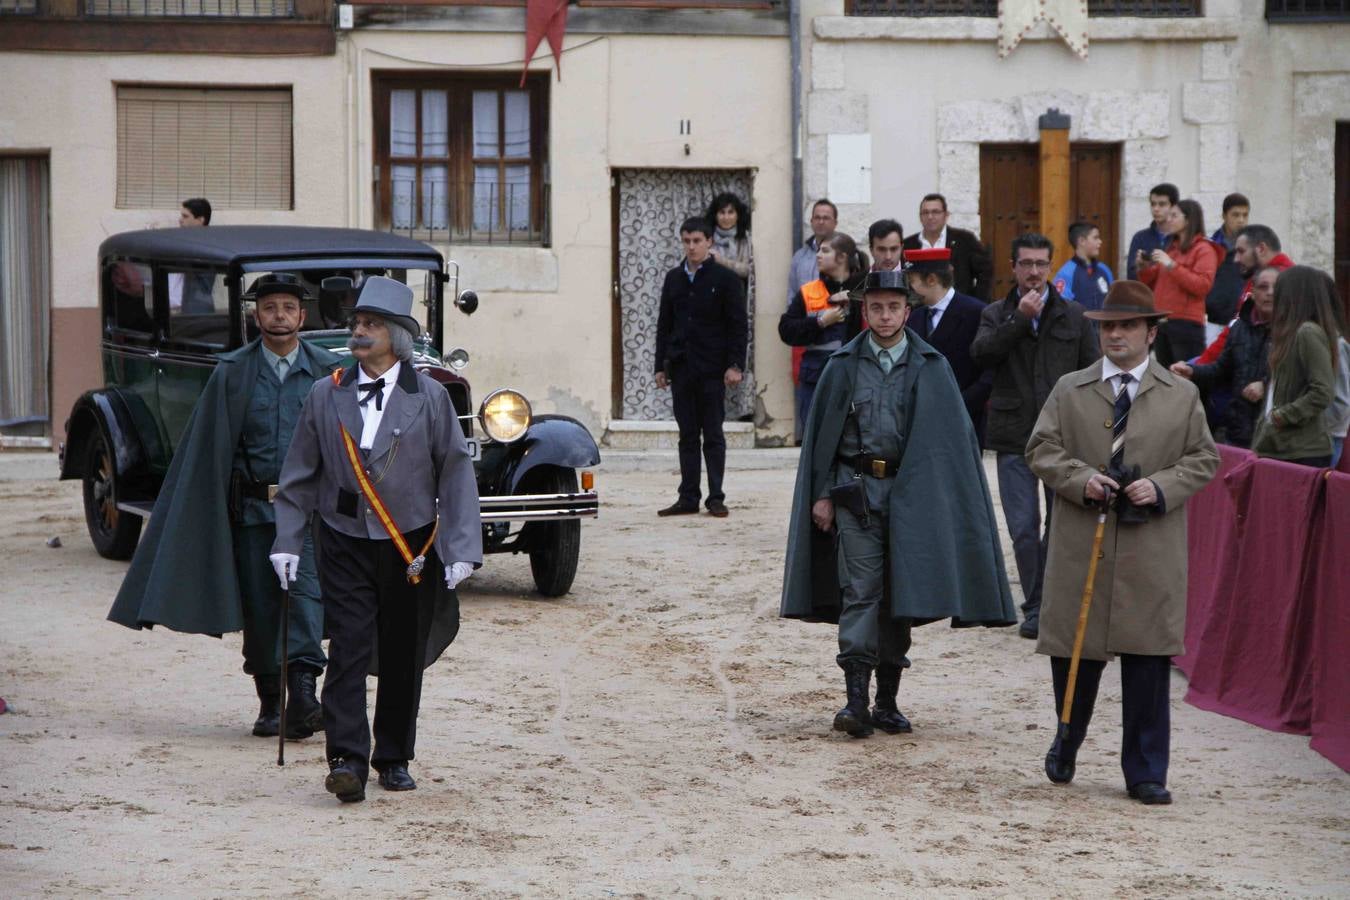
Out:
{"x": 285, "y": 652}
{"x": 1083, "y": 608}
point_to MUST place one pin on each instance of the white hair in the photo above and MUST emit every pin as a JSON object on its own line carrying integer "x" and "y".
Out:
{"x": 400, "y": 341}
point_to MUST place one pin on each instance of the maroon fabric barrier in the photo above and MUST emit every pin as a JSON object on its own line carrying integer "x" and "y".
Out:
{"x": 1254, "y": 647}
{"x": 1331, "y": 629}
{"x": 1212, "y": 547}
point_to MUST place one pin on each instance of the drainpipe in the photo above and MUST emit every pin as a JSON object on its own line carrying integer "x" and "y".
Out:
{"x": 795, "y": 48}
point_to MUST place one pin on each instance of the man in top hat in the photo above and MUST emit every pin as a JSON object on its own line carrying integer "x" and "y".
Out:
{"x": 1127, "y": 432}
{"x": 201, "y": 565}
{"x": 887, "y": 459}
{"x": 949, "y": 321}
{"x": 380, "y": 456}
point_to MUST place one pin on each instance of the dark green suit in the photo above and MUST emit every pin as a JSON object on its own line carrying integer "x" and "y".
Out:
{"x": 195, "y": 572}
{"x": 945, "y": 560}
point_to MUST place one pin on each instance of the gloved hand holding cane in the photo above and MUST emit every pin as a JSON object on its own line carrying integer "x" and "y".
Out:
{"x": 285, "y": 565}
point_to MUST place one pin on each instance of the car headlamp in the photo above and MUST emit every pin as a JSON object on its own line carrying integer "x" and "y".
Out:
{"x": 505, "y": 416}
{"x": 457, "y": 358}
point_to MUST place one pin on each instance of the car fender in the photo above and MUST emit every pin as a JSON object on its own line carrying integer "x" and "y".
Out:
{"x": 107, "y": 411}
{"x": 554, "y": 441}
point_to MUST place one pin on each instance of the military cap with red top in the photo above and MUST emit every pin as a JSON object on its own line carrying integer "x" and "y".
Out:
{"x": 930, "y": 259}
{"x": 1126, "y": 300}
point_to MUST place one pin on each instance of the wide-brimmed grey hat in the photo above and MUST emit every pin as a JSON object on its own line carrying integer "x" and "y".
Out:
{"x": 389, "y": 299}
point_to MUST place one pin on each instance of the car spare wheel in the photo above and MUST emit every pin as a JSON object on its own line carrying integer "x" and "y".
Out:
{"x": 113, "y": 532}
{"x": 555, "y": 547}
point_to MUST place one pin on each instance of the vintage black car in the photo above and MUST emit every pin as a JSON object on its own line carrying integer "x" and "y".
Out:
{"x": 174, "y": 298}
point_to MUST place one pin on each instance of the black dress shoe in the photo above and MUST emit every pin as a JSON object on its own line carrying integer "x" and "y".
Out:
{"x": 679, "y": 509}
{"x": 1150, "y": 793}
{"x": 1030, "y": 627}
{"x": 343, "y": 781}
{"x": 1059, "y": 766}
{"x": 396, "y": 778}
{"x": 717, "y": 508}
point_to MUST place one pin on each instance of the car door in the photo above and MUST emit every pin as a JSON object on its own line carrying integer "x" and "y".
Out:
{"x": 198, "y": 327}
{"x": 132, "y": 328}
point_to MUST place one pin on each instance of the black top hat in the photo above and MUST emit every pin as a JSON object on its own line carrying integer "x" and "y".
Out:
{"x": 1127, "y": 300}
{"x": 886, "y": 280}
{"x": 277, "y": 283}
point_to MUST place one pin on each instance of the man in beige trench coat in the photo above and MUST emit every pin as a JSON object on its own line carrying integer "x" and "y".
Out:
{"x": 1087, "y": 428}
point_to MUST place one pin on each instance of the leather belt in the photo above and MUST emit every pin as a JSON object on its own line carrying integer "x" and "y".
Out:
{"x": 259, "y": 490}
{"x": 871, "y": 465}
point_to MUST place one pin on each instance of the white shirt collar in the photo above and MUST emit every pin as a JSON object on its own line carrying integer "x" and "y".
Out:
{"x": 370, "y": 415}
{"x": 941, "y": 305}
{"x": 1111, "y": 370}
{"x": 390, "y": 376}
{"x": 941, "y": 241}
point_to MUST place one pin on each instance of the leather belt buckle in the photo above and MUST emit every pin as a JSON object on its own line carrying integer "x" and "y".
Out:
{"x": 878, "y": 468}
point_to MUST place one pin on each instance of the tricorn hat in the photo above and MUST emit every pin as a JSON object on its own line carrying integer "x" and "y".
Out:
{"x": 388, "y": 299}
{"x": 931, "y": 259}
{"x": 1127, "y": 300}
{"x": 277, "y": 283}
{"x": 886, "y": 280}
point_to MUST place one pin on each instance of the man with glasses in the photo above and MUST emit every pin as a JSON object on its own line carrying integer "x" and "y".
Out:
{"x": 1030, "y": 339}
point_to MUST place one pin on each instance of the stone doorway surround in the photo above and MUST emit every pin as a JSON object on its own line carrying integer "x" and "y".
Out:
{"x": 1140, "y": 121}
{"x": 1319, "y": 101}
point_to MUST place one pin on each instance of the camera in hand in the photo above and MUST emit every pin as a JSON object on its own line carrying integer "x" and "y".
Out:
{"x": 1126, "y": 512}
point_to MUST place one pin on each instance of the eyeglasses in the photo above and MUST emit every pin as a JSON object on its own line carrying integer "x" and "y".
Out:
{"x": 1041, "y": 264}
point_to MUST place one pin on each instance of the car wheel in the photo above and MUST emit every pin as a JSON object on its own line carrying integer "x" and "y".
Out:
{"x": 113, "y": 532}
{"x": 555, "y": 547}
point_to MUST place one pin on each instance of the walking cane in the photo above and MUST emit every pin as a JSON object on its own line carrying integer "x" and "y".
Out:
{"x": 1082, "y": 618}
{"x": 285, "y": 652}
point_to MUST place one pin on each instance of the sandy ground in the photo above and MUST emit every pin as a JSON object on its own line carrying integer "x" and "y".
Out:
{"x": 658, "y": 732}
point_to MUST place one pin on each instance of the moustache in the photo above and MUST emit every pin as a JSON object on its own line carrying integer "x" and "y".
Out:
{"x": 360, "y": 343}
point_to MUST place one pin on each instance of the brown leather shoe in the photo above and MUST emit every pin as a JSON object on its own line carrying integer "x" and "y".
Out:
{"x": 678, "y": 509}
{"x": 717, "y": 508}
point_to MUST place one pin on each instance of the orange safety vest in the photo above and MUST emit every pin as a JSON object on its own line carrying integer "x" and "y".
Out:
{"x": 815, "y": 296}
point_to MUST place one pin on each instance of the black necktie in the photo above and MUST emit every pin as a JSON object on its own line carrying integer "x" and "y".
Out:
{"x": 1118, "y": 426}
{"x": 373, "y": 389}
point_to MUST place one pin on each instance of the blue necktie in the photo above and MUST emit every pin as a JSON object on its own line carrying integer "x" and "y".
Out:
{"x": 1121, "y": 418}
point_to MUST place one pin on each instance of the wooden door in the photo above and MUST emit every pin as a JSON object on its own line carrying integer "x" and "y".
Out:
{"x": 1094, "y": 196}
{"x": 1009, "y": 203}
{"x": 1010, "y": 200}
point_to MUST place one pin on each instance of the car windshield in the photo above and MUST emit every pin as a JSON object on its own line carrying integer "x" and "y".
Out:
{"x": 330, "y": 295}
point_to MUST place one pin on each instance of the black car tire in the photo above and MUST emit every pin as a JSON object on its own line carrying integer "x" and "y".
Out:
{"x": 113, "y": 532}
{"x": 555, "y": 547}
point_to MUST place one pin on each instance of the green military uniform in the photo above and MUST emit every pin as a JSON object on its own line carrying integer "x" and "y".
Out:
{"x": 875, "y": 430}
{"x": 269, "y": 422}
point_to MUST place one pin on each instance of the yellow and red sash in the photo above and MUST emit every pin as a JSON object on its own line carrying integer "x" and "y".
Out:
{"x": 414, "y": 563}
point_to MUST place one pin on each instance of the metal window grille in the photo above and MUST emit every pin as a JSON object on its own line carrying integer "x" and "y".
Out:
{"x": 1308, "y": 10}
{"x": 191, "y": 9}
{"x": 468, "y": 212}
{"x": 229, "y": 145}
{"x": 18, "y": 7}
{"x": 989, "y": 8}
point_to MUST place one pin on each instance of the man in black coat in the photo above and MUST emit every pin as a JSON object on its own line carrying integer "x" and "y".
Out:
{"x": 701, "y": 336}
{"x": 949, "y": 320}
{"x": 972, "y": 269}
{"x": 1030, "y": 339}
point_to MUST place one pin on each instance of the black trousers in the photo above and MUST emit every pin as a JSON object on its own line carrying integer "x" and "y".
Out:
{"x": 1179, "y": 341}
{"x": 369, "y": 604}
{"x": 1145, "y": 714}
{"x": 700, "y": 407}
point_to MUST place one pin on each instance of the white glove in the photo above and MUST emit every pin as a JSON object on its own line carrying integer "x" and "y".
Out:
{"x": 285, "y": 565}
{"x": 456, "y": 573}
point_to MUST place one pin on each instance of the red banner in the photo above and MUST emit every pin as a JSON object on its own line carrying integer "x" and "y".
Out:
{"x": 544, "y": 19}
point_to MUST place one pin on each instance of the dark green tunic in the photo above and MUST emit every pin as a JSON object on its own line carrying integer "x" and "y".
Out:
{"x": 183, "y": 574}
{"x": 946, "y": 560}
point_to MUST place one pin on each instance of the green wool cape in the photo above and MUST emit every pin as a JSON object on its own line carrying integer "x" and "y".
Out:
{"x": 182, "y": 575}
{"x": 945, "y": 559}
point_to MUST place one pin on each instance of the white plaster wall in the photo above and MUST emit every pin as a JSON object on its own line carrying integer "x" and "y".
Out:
{"x": 67, "y": 104}
{"x": 544, "y": 326}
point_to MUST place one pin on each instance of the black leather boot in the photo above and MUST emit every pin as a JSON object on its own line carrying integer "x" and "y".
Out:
{"x": 304, "y": 715}
{"x": 885, "y": 714}
{"x": 269, "y": 709}
{"x": 853, "y": 718}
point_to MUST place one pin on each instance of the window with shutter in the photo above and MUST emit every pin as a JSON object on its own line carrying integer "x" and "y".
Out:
{"x": 229, "y": 145}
